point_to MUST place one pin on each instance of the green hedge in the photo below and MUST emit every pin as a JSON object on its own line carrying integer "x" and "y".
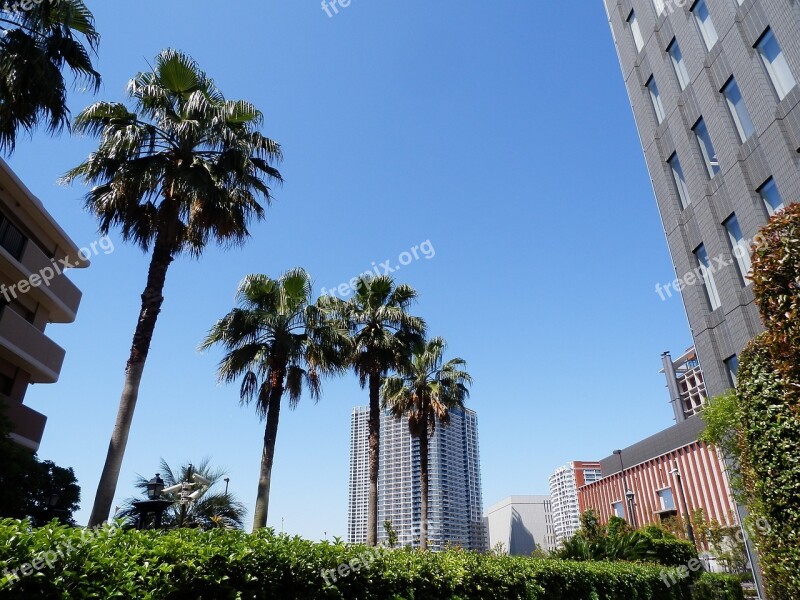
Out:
{"x": 221, "y": 564}
{"x": 715, "y": 586}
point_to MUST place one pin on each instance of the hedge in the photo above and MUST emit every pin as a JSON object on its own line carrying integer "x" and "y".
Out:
{"x": 716, "y": 586}
{"x": 220, "y": 564}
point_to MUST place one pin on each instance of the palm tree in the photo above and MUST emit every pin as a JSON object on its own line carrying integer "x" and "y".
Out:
{"x": 35, "y": 46}
{"x": 277, "y": 341}
{"x": 383, "y": 333}
{"x": 213, "y": 508}
{"x": 184, "y": 169}
{"x": 425, "y": 392}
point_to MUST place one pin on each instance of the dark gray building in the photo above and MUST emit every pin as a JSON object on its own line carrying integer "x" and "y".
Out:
{"x": 713, "y": 86}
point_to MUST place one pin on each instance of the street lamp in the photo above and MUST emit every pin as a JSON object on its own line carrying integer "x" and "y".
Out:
{"x": 629, "y": 495}
{"x": 227, "y": 480}
{"x": 154, "y": 487}
{"x": 689, "y": 528}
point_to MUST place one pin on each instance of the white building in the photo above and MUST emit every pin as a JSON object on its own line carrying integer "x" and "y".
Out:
{"x": 455, "y": 516}
{"x": 564, "y": 484}
{"x": 522, "y": 524}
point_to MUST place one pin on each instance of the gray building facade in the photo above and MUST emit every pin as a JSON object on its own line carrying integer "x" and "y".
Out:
{"x": 713, "y": 87}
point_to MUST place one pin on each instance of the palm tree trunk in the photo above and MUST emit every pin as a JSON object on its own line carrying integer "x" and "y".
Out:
{"x": 152, "y": 299}
{"x": 268, "y": 454}
{"x": 374, "y": 457}
{"x": 423, "y": 485}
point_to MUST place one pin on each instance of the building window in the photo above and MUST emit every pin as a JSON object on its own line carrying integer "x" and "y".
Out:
{"x": 660, "y": 6}
{"x": 739, "y": 247}
{"x": 655, "y": 97}
{"x": 705, "y": 24}
{"x": 618, "y": 509}
{"x": 666, "y": 498}
{"x": 680, "y": 180}
{"x": 771, "y": 197}
{"x": 732, "y": 366}
{"x": 706, "y": 147}
{"x": 678, "y": 63}
{"x": 636, "y": 32}
{"x": 11, "y": 238}
{"x": 775, "y": 62}
{"x": 739, "y": 112}
{"x": 710, "y": 284}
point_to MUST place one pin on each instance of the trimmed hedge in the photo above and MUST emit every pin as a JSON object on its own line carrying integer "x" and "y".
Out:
{"x": 219, "y": 564}
{"x": 716, "y": 586}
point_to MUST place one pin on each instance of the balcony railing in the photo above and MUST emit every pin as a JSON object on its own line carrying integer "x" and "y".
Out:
{"x": 28, "y": 348}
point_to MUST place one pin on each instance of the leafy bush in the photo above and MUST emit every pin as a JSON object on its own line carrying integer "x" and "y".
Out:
{"x": 715, "y": 586}
{"x": 220, "y": 564}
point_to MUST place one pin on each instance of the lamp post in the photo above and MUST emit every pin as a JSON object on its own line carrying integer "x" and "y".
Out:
{"x": 629, "y": 495}
{"x": 685, "y": 505}
{"x": 154, "y": 505}
{"x": 227, "y": 480}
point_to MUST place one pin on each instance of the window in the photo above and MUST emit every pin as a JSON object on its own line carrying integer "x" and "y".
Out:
{"x": 11, "y": 238}
{"x": 732, "y": 366}
{"x": 739, "y": 112}
{"x": 667, "y": 499}
{"x": 707, "y": 270}
{"x": 680, "y": 180}
{"x": 706, "y": 147}
{"x": 775, "y": 62}
{"x": 619, "y": 509}
{"x": 660, "y": 7}
{"x": 771, "y": 197}
{"x": 705, "y": 24}
{"x": 655, "y": 97}
{"x": 636, "y": 31}
{"x": 678, "y": 63}
{"x": 739, "y": 247}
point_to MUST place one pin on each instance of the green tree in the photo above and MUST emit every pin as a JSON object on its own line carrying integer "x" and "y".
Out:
{"x": 425, "y": 392}
{"x": 277, "y": 341}
{"x": 35, "y": 47}
{"x": 34, "y": 489}
{"x": 383, "y": 333}
{"x": 183, "y": 169}
{"x": 213, "y": 509}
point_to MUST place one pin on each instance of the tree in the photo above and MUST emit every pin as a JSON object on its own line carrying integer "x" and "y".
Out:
{"x": 34, "y": 489}
{"x": 382, "y": 333}
{"x": 276, "y": 341}
{"x": 726, "y": 543}
{"x": 35, "y": 46}
{"x": 184, "y": 168}
{"x": 425, "y": 392}
{"x": 213, "y": 509}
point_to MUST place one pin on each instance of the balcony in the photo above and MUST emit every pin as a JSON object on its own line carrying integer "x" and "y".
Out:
{"x": 27, "y": 424}
{"x": 28, "y": 348}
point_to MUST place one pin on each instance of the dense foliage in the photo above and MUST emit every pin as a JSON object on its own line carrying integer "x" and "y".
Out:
{"x": 715, "y": 586}
{"x": 223, "y": 564}
{"x": 29, "y": 487}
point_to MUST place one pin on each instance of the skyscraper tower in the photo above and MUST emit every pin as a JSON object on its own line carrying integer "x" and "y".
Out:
{"x": 455, "y": 503}
{"x": 713, "y": 86}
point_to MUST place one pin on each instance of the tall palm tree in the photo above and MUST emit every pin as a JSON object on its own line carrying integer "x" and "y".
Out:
{"x": 184, "y": 168}
{"x": 382, "y": 333}
{"x": 277, "y": 341}
{"x": 213, "y": 508}
{"x": 425, "y": 392}
{"x": 35, "y": 46}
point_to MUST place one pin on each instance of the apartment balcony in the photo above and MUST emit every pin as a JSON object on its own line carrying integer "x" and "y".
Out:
{"x": 27, "y": 424}
{"x": 59, "y": 295}
{"x": 28, "y": 348}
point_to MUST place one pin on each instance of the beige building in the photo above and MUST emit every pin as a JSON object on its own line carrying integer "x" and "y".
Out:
{"x": 34, "y": 252}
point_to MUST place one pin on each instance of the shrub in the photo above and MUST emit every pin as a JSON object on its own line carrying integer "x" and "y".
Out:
{"x": 715, "y": 586}
{"x": 219, "y": 564}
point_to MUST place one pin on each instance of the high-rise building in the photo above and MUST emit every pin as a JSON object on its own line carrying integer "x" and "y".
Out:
{"x": 713, "y": 86}
{"x": 522, "y": 524}
{"x": 564, "y": 484}
{"x": 34, "y": 292}
{"x": 455, "y": 503}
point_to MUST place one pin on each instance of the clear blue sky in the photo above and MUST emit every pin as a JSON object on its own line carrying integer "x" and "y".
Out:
{"x": 500, "y": 131}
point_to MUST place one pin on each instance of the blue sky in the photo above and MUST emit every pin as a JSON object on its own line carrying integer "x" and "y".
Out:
{"x": 499, "y": 132}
